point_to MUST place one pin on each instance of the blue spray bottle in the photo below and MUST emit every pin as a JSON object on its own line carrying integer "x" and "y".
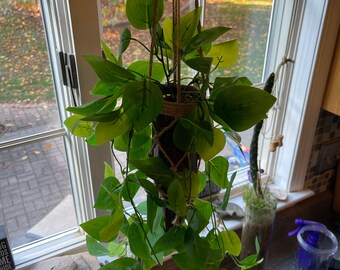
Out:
{"x": 316, "y": 245}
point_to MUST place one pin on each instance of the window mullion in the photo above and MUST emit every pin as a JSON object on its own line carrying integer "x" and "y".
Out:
{"x": 33, "y": 138}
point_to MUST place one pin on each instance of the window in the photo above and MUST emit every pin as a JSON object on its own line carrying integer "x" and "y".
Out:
{"x": 39, "y": 180}
{"x": 309, "y": 40}
{"x": 290, "y": 30}
{"x": 249, "y": 21}
{"x": 35, "y": 179}
{"x": 73, "y": 27}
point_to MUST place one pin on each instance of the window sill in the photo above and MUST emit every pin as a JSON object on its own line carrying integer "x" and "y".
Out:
{"x": 293, "y": 198}
{"x": 68, "y": 242}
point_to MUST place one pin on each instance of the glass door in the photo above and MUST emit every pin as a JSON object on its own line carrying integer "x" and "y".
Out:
{"x": 35, "y": 184}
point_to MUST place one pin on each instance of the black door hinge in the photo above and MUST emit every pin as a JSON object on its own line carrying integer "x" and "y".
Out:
{"x": 69, "y": 70}
{"x": 69, "y": 73}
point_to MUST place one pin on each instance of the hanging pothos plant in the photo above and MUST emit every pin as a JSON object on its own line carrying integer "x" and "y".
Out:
{"x": 167, "y": 129}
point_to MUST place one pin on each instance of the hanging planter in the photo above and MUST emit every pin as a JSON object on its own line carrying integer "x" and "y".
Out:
{"x": 166, "y": 129}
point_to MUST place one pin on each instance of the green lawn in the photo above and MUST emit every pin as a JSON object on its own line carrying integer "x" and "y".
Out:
{"x": 24, "y": 64}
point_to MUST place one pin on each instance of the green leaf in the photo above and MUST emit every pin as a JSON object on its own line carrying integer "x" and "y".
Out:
{"x": 204, "y": 207}
{"x": 231, "y": 242}
{"x": 107, "y": 199}
{"x": 123, "y": 264}
{"x": 205, "y": 37}
{"x": 227, "y": 192}
{"x": 140, "y": 13}
{"x": 125, "y": 37}
{"x": 202, "y": 181}
{"x": 203, "y": 128}
{"x": 196, "y": 246}
{"x": 184, "y": 261}
{"x": 217, "y": 170}
{"x": 142, "y": 102}
{"x": 250, "y": 262}
{"x": 141, "y": 144}
{"x": 183, "y": 136}
{"x": 121, "y": 143}
{"x": 188, "y": 25}
{"x": 243, "y": 106}
{"x": 201, "y": 64}
{"x": 221, "y": 83}
{"x": 77, "y": 127}
{"x": 200, "y": 215}
{"x": 105, "y": 228}
{"x": 142, "y": 70}
{"x": 152, "y": 211}
{"x": 186, "y": 131}
{"x": 233, "y": 135}
{"x": 108, "y": 131}
{"x": 167, "y": 31}
{"x": 103, "y": 89}
{"x": 208, "y": 151}
{"x": 130, "y": 187}
{"x": 197, "y": 221}
{"x": 149, "y": 187}
{"x": 117, "y": 249}
{"x": 93, "y": 107}
{"x": 155, "y": 168}
{"x": 110, "y": 73}
{"x": 108, "y": 52}
{"x": 176, "y": 198}
{"x": 103, "y": 117}
{"x": 224, "y": 54}
{"x": 108, "y": 171}
{"x": 189, "y": 181}
{"x": 142, "y": 151}
{"x": 95, "y": 248}
{"x": 172, "y": 239}
{"x": 142, "y": 137}
{"x": 142, "y": 208}
{"x": 138, "y": 242}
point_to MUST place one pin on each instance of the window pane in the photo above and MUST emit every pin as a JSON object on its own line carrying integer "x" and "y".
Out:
{"x": 249, "y": 20}
{"x": 27, "y": 100}
{"x": 34, "y": 181}
{"x": 114, "y": 21}
{"x": 35, "y": 192}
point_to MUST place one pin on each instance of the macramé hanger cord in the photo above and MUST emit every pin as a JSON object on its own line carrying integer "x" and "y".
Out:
{"x": 277, "y": 91}
{"x": 153, "y": 37}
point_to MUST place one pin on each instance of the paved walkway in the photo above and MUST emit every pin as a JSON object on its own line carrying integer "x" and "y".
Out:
{"x": 33, "y": 178}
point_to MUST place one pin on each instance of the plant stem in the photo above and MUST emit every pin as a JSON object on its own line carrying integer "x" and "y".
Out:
{"x": 254, "y": 169}
{"x": 139, "y": 217}
{"x": 153, "y": 36}
{"x": 176, "y": 12}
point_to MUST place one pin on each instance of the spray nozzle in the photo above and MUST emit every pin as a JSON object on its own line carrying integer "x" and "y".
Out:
{"x": 313, "y": 252}
{"x": 301, "y": 223}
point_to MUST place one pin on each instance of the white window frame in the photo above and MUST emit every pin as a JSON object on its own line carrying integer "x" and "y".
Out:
{"x": 57, "y": 23}
{"x": 312, "y": 42}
